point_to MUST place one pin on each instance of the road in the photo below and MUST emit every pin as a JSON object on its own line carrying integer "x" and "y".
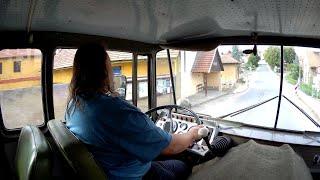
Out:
{"x": 263, "y": 85}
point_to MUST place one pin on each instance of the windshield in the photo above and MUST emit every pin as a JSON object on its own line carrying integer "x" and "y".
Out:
{"x": 240, "y": 87}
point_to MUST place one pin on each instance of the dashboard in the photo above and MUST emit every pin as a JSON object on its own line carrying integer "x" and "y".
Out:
{"x": 182, "y": 126}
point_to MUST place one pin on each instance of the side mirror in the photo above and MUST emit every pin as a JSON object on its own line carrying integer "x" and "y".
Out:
{"x": 120, "y": 85}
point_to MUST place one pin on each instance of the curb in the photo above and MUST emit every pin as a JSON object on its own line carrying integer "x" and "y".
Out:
{"x": 310, "y": 107}
{"x": 217, "y": 97}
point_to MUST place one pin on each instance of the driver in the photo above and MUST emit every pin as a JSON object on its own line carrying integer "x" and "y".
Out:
{"x": 122, "y": 139}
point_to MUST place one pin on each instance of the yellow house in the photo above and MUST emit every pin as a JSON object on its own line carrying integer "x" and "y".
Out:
{"x": 121, "y": 63}
{"x": 19, "y": 68}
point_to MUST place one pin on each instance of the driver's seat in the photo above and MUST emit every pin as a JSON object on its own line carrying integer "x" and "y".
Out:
{"x": 75, "y": 152}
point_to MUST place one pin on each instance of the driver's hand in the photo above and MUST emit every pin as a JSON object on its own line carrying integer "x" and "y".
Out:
{"x": 194, "y": 132}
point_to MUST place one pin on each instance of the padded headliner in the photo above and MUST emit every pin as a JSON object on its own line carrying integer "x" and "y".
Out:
{"x": 159, "y": 22}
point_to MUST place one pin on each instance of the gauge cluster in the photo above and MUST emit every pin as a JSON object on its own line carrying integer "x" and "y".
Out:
{"x": 178, "y": 126}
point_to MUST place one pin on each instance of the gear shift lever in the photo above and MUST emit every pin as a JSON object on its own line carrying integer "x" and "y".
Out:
{"x": 203, "y": 133}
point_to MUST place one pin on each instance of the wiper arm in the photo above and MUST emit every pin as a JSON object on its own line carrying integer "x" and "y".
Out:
{"x": 247, "y": 108}
{"x": 302, "y": 111}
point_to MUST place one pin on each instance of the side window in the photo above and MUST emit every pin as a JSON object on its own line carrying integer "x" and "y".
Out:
{"x": 164, "y": 85}
{"x": 62, "y": 73}
{"x": 20, "y": 93}
{"x": 142, "y": 71}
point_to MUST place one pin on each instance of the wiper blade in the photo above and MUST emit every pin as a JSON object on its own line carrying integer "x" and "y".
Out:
{"x": 303, "y": 112}
{"x": 247, "y": 108}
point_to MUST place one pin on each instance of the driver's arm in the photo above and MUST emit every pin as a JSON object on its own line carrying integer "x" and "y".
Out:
{"x": 180, "y": 142}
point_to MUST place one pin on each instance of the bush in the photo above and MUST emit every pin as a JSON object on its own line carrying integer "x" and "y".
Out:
{"x": 306, "y": 88}
{"x": 291, "y": 80}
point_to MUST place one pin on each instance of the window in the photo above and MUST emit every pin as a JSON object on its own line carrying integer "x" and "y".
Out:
{"x": 142, "y": 72}
{"x": 164, "y": 85}
{"x": 17, "y": 66}
{"x": 62, "y": 73}
{"x": 301, "y": 89}
{"x": 224, "y": 80}
{"x": 116, "y": 70}
{"x": 0, "y": 67}
{"x": 20, "y": 93}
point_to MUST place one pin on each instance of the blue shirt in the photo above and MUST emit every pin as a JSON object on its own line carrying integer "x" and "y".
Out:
{"x": 122, "y": 139}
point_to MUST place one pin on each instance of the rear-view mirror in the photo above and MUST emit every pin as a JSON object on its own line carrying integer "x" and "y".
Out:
{"x": 120, "y": 85}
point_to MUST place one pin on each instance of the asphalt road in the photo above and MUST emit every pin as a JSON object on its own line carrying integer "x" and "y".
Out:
{"x": 263, "y": 85}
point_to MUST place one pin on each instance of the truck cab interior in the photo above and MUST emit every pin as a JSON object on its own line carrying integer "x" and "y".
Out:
{"x": 34, "y": 140}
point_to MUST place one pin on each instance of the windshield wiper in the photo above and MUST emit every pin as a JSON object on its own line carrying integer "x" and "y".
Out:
{"x": 302, "y": 111}
{"x": 247, "y": 108}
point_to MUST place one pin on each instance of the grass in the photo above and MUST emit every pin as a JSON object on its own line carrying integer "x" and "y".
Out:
{"x": 306, "y": 88}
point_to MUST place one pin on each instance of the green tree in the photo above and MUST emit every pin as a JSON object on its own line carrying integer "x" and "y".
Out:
{"x": 289, "y": 55}
{"x": 272, "y": 56}
{"x": 236, "y": 53}
{"x": 252, "y": 62}
{"x": 293, "y": 71}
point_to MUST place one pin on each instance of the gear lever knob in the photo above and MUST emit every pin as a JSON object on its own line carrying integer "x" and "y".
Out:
{"x": 203, "y": 132}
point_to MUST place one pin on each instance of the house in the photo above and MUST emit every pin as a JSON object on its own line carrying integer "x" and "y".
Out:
{"x": 19, "y": 68}
{"x": 311, "y": 68}
{"x": 230, "y": 74}
{"x": 210, "y": 69}
{"x": 209, "y": 65}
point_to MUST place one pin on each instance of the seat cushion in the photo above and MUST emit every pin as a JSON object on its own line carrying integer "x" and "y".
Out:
{"x": 33, "y": 157}
{"x": 75, "y": 152}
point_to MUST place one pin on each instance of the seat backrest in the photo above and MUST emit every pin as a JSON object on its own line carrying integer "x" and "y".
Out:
{"x": 33, "y": 156}
{"x": 75, "y": 152}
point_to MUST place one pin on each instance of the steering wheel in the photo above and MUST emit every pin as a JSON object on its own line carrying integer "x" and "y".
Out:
{"x": 152, "y": 113}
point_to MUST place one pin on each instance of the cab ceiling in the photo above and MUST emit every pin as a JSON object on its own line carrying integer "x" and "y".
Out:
{"x": 165, "y": 21}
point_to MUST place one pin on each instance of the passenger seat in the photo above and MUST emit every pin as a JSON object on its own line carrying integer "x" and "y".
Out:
{"x": 75, "y": 152}
{"x": 33, "y": 156}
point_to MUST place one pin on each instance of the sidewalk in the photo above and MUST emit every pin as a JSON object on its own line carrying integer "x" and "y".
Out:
{"x": 311, "y": 102}
{"x": 200, "y": 98}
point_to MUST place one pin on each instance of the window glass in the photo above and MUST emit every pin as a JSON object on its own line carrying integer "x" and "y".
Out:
{"x": 142, "y": 71}
{"x": 225, "y": 80}
{"x": 62, "y": 72}
{"x": 164, "y": 85}
{"x": 20, "y": 91}
{"x": 17, "y": 65}
{"x": 301, "y": 89}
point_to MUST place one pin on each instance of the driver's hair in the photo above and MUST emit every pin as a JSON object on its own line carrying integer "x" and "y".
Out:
{"x": 92, "y": 73}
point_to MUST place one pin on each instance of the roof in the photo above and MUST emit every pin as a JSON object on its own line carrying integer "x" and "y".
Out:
{"x": 159, "y": 22}
{"x": 207, "y": 61}
{"x": 9, "y": 53}
{"x": 64, "y": 57}
{"x": 228, "y": 59}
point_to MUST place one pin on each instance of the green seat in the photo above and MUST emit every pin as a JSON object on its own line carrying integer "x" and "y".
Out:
{"x": 33, "y": 157}
{"x": 75, "y": 152}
